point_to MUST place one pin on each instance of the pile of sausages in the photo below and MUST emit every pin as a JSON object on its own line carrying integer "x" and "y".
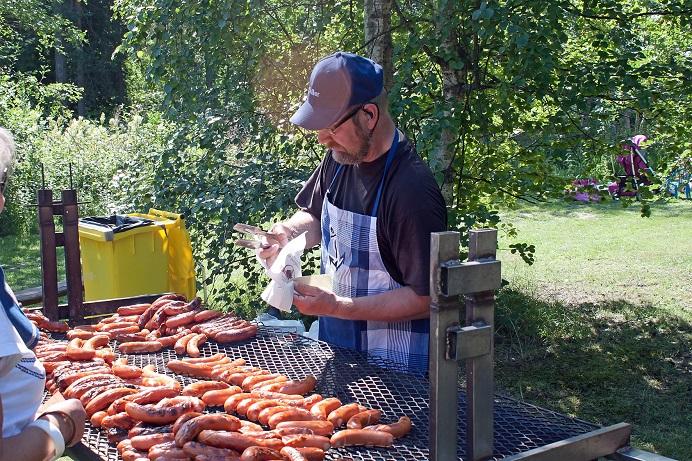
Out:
{"x": 44, "y": 323}
{"x": 103, "y": 387}
{"x": 169, "y": 321}
{"x": 54, "y": 354}
{"x": 151, "y": 416}
{"x": 304, "y": 423}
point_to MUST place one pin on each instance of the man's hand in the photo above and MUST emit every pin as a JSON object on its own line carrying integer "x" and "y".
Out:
{"x": 314, "y": 301}
{"x": 284, "y": 234}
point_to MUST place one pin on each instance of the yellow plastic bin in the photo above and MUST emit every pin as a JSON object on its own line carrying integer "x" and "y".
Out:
{"x": 181, "y": 265}
{"x": 153, "y": 258}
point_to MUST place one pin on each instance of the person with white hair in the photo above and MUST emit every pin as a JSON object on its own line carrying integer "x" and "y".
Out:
{"x": 24, "y": 434}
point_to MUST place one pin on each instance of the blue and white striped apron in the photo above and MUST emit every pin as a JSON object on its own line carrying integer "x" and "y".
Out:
{"x": 351, "y": 255}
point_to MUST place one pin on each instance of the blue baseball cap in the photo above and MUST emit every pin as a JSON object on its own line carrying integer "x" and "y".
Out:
{"x": 338, "y": 83}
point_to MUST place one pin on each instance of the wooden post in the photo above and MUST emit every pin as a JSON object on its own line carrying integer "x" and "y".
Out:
{"x": 49, "y": 264}
{"x": 73, "y": 265}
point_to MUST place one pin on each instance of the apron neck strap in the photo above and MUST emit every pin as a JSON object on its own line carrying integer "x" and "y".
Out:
{"x": 390, "y": 158}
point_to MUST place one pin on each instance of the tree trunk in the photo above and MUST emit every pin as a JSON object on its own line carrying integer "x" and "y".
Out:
{"x": 60, "y": 68}
{"x": 378, "y": 36}
{"x": 442, "y": 157}
{"x": 60, "y": 65}
{"x": 79, "y": 59}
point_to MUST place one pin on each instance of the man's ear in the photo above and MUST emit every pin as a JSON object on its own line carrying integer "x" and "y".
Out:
{"x": 373, "y": 114}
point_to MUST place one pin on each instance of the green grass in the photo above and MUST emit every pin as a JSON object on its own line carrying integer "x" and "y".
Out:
{"x": 600, "y": 327}
{"x": 20, "y": 257}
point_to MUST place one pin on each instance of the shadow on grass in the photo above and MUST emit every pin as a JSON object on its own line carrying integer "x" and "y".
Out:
{"x": 606, "y": 363}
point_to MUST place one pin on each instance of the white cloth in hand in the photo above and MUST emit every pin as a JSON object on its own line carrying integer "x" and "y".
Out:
{"x": 286, "y": 267}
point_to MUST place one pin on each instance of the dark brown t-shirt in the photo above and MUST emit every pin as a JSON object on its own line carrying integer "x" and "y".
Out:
{"x": 410, "y": 209}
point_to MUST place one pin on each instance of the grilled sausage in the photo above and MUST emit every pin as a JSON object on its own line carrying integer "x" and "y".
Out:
{"x": 200, "y": 387}
{"x": 307, "y": 440}
{"x": 140, "y": 347}
{"x": 167, "y": 451}
{"x": 134, "y": 309}
{"x": 144, "y": 442}
{"x": 180, "y": 319}
{"x": 213, "y": 358}
{"x": 194, "y": 343}
{"x": 232, "y": 402}
{"x": 260, "y": 454}
{"x": 313, "y": 453}
{"x": 252, "y": 381}
{"x": 364, "y": 418}
{"x": 75, "y": 350}
{"x": 120, "y": 420}
{"x": 317, "y": 427}
{"x": 235, "y": 440}
{"x": 122, "y": 370}
{"x": 254, "y": 410}
{"x": 143, "y": 429}
{"x": 168, "y": 341}
{"x": 343, "y": 414}
{"x": 292, "y": 454}
{"x": 216, "y": 421}
{"x": 238, "y": 335}
{"x": 183, "y": 419}
{"x": 97, "y": 418}
{"x": 148, "y": 396}
{"x": 218, "y": 397}
{"x": 205, "y": 315}
{"x": 323, "y": 408}
{"x": 293, "y": 414}
{"x": 197, "y": 450}
{"x": 103, "y": 400}
{"x": 202, "y": 370}
{"x": 398, "y": 429}
{"x": 362, "y": 437}
{"x": 181, "y": 344}
{"x": 165, "y": 412}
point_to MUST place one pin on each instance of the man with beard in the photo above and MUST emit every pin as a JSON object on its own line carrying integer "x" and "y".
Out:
{"x": 371, "y": 204}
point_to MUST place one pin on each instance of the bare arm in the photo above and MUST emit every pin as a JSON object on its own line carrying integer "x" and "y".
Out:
{"x": 303, "y": 221}
{"x": 392, "y": 306}
{"x": 32, "y": 443}
{"x": 300, "y": 222}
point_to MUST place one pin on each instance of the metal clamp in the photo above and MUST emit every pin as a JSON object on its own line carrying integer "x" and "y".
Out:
{"x": 471, "y": 277}
{"x": 469, "y": 342}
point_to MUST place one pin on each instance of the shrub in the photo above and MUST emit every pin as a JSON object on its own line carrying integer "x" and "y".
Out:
{"x": 97, "y": 152}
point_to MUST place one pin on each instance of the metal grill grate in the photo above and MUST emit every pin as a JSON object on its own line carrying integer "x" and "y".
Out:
{"x": 351, "y": 377}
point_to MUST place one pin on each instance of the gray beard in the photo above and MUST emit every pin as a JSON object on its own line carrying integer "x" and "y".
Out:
{"x": 355, "y": 158}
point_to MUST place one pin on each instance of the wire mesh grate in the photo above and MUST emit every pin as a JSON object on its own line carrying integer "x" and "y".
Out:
{"x": 353, "y": 377}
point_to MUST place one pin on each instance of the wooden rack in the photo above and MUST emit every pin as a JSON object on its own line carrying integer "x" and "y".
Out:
{"x": 76, "y": 308}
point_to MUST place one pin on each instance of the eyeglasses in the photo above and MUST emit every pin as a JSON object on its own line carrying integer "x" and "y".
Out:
{"x": 332, "y": 130}
{"x": 3, "y": 180}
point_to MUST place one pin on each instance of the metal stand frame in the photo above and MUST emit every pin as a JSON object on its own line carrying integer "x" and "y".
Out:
{"x": 450, "y": 343}
{"x": 76, "y": 308}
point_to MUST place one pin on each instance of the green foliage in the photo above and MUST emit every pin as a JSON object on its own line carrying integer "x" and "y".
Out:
{"x": 36, "y": 21}
{"x": 229, "y": 160}
{"x": 504, "y": 100}
{"x": 526, "y": 88}
{"x": 95, "y": 150}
